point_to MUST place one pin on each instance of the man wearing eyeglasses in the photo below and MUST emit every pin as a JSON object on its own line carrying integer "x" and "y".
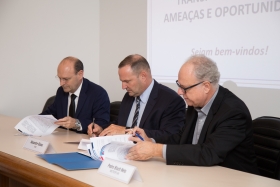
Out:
{"x": 218, "y": 130}
{"x": 147, "y": 104}
{"x": 77, "y": 99}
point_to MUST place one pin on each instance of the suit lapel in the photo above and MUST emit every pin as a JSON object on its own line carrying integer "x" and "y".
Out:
{"x": 214, "y": 108}
{"x": 82, "y": 97}
{"x": 124, "y": 113}
{"x": 187, "y": 134}
{"x": 65, "y": 104}
{"x": 150, "y": 104}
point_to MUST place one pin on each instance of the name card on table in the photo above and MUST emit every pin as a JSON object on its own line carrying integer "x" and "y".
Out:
{"x": 39, "y": 146}
{"x": 119, "y": 171}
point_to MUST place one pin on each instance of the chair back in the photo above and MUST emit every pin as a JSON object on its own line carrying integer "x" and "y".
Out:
{"x": 48, "y": 102}
{"x": 266, "y": 132}
{"x": 114, "y": 110}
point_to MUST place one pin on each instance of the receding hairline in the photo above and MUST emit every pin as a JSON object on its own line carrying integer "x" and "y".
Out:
{"x": 136, "y": 62}
{"x": 76, "y": 63}
{"x": 69, "y": 59}
{"x": 204, "y": 68}
{"x": 197, "y": 58}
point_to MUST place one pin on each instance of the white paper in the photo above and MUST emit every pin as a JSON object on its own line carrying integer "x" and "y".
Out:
{"x": 83, "y": 144}
{"x": 92, "y": 153}
{"x": 116, "y": 151}
{"x": 37, "y": 125}
{"x": 84, "y": 153}
{"x": 98, "y": 142}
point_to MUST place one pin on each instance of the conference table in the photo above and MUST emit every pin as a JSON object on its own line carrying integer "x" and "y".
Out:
{"x": 23, "y": 168}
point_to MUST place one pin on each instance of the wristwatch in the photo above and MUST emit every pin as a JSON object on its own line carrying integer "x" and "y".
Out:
{"x": 78, "y": 125}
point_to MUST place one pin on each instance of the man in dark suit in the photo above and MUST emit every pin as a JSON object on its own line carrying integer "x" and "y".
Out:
{"x": 161, "y": 110}
{"x": 218, "y": 130}
{"x": 89, "y": 100}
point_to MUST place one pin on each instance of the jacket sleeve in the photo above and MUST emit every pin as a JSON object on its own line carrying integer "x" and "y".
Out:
{"x": 100, "y": 111}
{"x": 227, "y": 132}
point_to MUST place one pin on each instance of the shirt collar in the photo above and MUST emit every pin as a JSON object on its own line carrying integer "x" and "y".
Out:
{"x": 206, "y": 108}
{"x": 77, "y": 92}
{"x": 145, "y": 95}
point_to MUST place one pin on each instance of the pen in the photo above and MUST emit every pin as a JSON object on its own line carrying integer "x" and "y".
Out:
{"x": 93, "y": 123}
{"x": 138, "y": 135}
{"x": 23, "y": 133}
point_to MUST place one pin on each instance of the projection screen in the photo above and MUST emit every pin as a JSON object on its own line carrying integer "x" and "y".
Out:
{"x": 241, "y": 36}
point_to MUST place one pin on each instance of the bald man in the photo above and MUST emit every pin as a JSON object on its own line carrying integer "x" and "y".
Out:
{"x": 77, "y": 99}
{"x": 218, "y": 129}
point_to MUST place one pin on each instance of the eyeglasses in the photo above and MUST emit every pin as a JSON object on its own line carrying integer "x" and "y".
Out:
{"x": 187, "y": 88}
{"x": 63, "y": 79}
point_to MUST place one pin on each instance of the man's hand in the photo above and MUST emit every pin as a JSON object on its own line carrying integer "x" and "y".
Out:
{"x": 66, "y": 122}
{"x": 140, "y": 132}
{"x": 144, "y": 150}
{"x": 113, "y": 130}
{"x": 94, "y": 132}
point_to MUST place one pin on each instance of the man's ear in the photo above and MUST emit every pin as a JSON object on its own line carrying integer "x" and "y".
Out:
{"x": 81, "y": 74}
{"x": 143, "y": 75}
{"x": 207, "y": 87}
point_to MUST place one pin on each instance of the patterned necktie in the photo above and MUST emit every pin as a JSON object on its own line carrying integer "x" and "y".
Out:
{"x": 72, "y": 106}
{"x": 136, "y": 114}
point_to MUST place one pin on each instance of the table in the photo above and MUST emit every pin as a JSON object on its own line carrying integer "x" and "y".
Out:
{"x": 20, "y": 167}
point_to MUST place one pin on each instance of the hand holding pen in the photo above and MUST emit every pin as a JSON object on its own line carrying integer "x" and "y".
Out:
{"x": 91, "y": 128}
{"x": 94, "y": 129}
{"x": 138, "y": 134}
{"x": 93, "y": 134}
{"x": 93, "y": 124}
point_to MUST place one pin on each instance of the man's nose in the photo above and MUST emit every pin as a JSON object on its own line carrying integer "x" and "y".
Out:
{"x": 62, "y": 82}
{"x": 180, "y": 92}
{"x": 124, "y": 86}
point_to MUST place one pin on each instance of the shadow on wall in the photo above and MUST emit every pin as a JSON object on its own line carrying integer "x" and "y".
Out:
{"x": 260, "y": 101}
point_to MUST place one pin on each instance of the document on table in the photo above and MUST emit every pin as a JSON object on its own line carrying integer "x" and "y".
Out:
{"x": 116, "y": 151}
{"x": 115, "y": 147}
{"x": 37, "y": 125}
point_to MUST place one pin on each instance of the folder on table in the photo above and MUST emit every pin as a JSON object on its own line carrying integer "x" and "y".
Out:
{"x": 71, "y": 161}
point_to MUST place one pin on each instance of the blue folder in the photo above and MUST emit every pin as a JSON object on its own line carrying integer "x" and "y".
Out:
{"x": 71, "y": 161}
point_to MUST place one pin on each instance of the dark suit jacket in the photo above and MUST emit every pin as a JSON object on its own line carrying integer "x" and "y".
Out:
{"x": 164, "y": 113}
{"x": 93, "y": 103}
{"x": 226, "y": 137}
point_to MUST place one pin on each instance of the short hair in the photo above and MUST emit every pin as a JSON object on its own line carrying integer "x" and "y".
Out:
{"x": 137, "y": 63}
{"x": 78, "y": 65}
{"x": 205, "y": 69}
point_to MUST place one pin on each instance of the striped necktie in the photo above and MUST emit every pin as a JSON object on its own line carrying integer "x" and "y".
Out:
{"x": 136, "y": 113}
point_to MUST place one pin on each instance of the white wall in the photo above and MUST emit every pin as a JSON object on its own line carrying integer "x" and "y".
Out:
{"x": 123, "y": 31}
{"x": 35, "y": 35}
